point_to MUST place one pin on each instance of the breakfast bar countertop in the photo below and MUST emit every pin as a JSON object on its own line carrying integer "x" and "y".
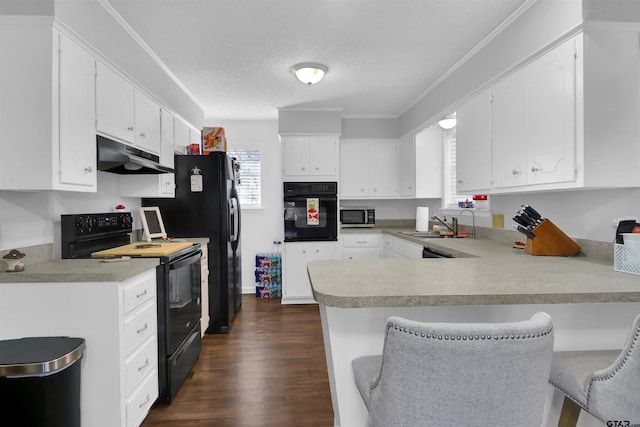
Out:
{"x": 484, "y": 272}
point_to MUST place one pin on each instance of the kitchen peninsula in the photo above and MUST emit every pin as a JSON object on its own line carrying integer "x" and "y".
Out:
{"x": 592, "y": 306}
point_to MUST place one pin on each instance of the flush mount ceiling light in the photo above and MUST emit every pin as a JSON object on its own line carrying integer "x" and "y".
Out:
{"x": 309, "y": 73}
{"x": 448, "y": 122}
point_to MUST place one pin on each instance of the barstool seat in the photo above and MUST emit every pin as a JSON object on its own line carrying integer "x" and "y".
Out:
{"x": 604, "y": 383}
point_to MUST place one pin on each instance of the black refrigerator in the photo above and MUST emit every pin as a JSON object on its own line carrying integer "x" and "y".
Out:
{"x": 206, "y": 205}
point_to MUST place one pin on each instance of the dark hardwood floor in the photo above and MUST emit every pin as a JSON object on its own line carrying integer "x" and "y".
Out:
{"x": 269, "y": 371}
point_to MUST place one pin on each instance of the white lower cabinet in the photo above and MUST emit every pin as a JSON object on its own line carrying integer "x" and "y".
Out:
{"x": 296, "y": 288}
{"x": 361, "y": 246}
{"x": 395, "y": 247}
{"x": 118, "y": 320}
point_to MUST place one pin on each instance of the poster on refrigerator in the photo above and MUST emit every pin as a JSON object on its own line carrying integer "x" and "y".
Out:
{"x": 313, "y": 214}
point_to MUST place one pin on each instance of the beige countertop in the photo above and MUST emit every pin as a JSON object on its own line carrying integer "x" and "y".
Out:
{"x": 485, "y": 272}
{"x": 80, "y": 270}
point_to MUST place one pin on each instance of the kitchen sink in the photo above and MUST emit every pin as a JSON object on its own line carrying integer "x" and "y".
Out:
{"x": 423, "y": 234}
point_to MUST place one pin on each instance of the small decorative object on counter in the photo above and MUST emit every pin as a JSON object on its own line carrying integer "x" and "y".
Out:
{"x": 120, "y": 208}
{"x": 14, "y": 261}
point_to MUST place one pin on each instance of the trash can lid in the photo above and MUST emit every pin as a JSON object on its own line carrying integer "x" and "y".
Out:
{"x": 38, "y": 355}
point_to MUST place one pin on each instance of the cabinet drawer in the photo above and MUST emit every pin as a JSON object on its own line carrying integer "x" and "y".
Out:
{"x": 139, "y": 404}
{"x": 139, "y": 293}
{"x": 361, "y": 240}
{"x": 144, "y": 361}
{"x": 361, "y": 253}
{"x": 139, "y": 327}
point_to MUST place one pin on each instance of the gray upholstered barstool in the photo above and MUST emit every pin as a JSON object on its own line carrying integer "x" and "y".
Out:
{"x": 458, "y": 374}
{"x": 605, "y": 383}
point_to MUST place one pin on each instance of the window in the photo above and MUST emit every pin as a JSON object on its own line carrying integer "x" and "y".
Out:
{"x": 248, "y": 177}
{"x": 451, "y": 197}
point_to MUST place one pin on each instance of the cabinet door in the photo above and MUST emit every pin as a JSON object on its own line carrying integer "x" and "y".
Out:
{"x": 114, "y": 105}
{"x": 406, "y": 167}
{"x": 167, "y": 138}
{"x": 147, "y": 123}
{"x": 551, "y": 116}
{"x": 429, "y": 163}
{"x": 181, "y": 134}
{"x": 354, "y": 168}
{"x": 296, "y": 280}
{"x": 323, "y": 155}
{"x": 296, "y": 155}
{"x": 508, "y": 115}
{"x": 361, "y": 253}
{"x": 77, "y": 115}
{"x": 473, "y": 144}
{"x": 383, "y": 177}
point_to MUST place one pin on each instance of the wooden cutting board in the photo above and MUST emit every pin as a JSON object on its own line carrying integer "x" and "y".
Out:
{"x": 133, "y": 249}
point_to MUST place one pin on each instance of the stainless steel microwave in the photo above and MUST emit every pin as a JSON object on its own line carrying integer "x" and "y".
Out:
{"x": 357, "y": 217}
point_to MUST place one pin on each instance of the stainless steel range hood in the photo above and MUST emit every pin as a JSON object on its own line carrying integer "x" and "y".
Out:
{"x": 116, "y": 157}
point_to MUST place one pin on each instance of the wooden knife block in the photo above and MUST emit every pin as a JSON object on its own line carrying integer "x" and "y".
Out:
{"x": 551, "y": 241}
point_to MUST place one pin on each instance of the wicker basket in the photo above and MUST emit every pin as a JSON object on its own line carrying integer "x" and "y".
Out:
{"x": 626, "y": 259}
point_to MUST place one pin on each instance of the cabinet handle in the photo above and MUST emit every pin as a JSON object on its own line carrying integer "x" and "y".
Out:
{"x": 304, "y": 251}
{"x": 362, "y": 189}
{"x": 145, "y": 402}
{"x": 146, "y": 363}
{"x": 317, "y": 251}
{"x": 88, "y": 169}
{"x": 143, "y": 135}
{"x": 304, "y": 168}
{"x": 361, "y": 241}
{"x": 514, "y": 172}
{"x": 535, "y": 169}
{"x": 142, "y": 294}
{"x": 130, "y": 128}
{"x": 143, "y": 329}
{"x": 460, "y": 181}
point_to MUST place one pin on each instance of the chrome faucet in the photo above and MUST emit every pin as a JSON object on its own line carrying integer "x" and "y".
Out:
{"x": 473, "y": 215}
{"x": 443, "y": 223}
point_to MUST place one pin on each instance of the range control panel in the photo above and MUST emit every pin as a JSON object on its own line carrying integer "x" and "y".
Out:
{"x": 77, "y": 226}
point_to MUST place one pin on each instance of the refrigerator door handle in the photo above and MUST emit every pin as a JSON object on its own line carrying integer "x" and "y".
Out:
{"x": 233, "y": 220}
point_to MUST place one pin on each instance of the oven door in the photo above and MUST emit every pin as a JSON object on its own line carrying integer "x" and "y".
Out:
{"x": 183, "y": 298}
{"x": 310, "y": 218}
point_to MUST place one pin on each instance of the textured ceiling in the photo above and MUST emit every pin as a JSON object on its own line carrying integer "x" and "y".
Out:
{"x": 234, "y": 56}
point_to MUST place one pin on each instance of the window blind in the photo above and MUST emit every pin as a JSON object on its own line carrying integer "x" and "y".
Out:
{"x": 248, "y": 175}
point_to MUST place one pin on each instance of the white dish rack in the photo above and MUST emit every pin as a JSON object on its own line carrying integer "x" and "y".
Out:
{"x": 626, "y": 259}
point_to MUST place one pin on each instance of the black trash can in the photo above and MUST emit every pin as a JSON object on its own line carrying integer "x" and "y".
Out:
{"x": 40, "y": 381}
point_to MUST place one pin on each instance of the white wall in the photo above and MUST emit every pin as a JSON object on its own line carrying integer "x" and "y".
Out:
{"x": 33, "y": 218}
{"x": 260, "y": 227}
{"x": 580, "y": 214}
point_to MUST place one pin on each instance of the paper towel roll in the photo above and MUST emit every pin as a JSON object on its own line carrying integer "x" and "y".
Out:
{"x": 422, "y": 218}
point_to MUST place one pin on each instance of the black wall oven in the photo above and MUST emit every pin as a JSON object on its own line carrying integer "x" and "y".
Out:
{"x": 310, "y": 211}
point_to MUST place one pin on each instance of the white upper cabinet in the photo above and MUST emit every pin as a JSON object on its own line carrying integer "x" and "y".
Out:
{"x": 310, "y": 158}
{"x": 114, "y": 105}
{"x": 47, "y": 137}
{"x": 429, "y": 163}
{"x": 533, "y": 121}
{"x": 126, "y": 113}
{"x": 147, "y": 123}
{"x": 181, "y": 136}
{"x": 407, "y": 167}
{"x": 167, "y": 138}
{"x": 77, "y": 115}
{"x": 368, "y": 168}
{"x": 473, "y": 144}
